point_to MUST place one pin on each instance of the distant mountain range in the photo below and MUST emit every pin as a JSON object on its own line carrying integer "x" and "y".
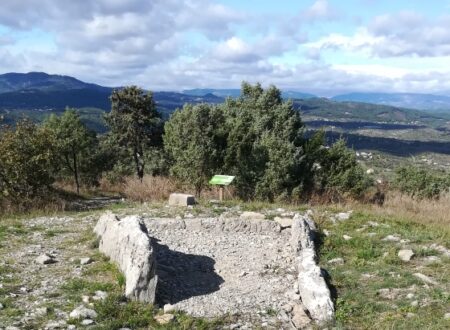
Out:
{"x": 237, "y": 92}
{"x": 403, "y": 100}
{"x": 43, "y": 92}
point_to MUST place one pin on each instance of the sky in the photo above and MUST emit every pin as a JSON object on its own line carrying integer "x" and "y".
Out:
{"x": 324, "y": 47}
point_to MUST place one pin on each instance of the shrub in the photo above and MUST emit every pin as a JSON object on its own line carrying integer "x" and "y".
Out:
{"x": 420, "y": 183}
{"x": 339, "y": 172}
{"x": 26, "y": 157}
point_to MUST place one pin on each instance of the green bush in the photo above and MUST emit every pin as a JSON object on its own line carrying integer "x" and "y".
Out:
{"x": 27, "y": 153}
{"x": 341, "y": 173}
{"x": 420, "y": 183}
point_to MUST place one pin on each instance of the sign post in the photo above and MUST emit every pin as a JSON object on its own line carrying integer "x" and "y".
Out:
{"x": 221, "y": 181}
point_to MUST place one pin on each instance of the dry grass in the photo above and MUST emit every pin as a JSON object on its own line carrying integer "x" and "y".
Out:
{"x": 427, "y": 212}
{"x": 155, "y": 188}
{"x": 150, "y": 189}
{"x": 49, "y": 203}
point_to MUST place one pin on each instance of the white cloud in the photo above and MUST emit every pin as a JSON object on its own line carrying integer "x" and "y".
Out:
{"x": 319, "y": 10}
{"x": 395, "y": 35}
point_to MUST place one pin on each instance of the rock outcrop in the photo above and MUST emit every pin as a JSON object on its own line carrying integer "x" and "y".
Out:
{"x": 127, "y": 243}
{"x": 313, "y": 288}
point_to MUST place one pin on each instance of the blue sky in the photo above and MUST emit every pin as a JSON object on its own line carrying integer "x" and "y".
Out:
{"x": 320, "y": 46}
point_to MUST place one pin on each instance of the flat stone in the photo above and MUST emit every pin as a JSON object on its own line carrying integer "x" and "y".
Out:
{"x": 391, "y": 238}
{"x": 441, "y": 249}
{"x": 252, "y": 216}
{"x": 164, "y": 319}
{"x": 342, "y": 216}
{"x": 405, "y": 255}
{"x": 447, "y": 316}
{"x": 61, "y": 324}
{"x": 299, "y": 317}
{"x": 45, "y": 259}
{"x": 346, "y": 237}
{"x": 82, "y": 312}
{"x": 431, "y": 259}
{"x": 284, "y": 222}
{"x": 425, "y": 278}
{"x": 85, "y": 261}
{"x": 336, "y": 261}
{"x": 178, "y": 199}
{"x": 1, "y": 306}
{"x": 87, "y": 322}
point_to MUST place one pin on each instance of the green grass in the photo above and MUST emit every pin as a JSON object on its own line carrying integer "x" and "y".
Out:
{"x": 372, "y": 264}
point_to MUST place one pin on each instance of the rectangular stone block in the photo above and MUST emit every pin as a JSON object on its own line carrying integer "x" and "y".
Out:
{"x": 177, "y": 199}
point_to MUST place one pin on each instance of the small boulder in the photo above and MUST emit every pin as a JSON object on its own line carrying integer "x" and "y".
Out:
{"x": 284, "y": 222}
{"x": 100, "y": 295}
{"x": 431, "y": 259}
{"x": 45, "y": 259}
{"x": 342, "y": 216}
{"x": 164, "y": 319}
{"x": 82, "y": 312}
{"x": 85, "y": 261}
{"x": 447, "y": 316}
{"x": 177, "y": 199}
{"x": 425, "y": 278}
{"x": 391, "y": 238}
{"x": 87, "y": 322}
{"x": 299, "y": 317}
{"x": 346, "y": 237}
{"x": 1, "y": 306}
{"x": 405, "y": 255}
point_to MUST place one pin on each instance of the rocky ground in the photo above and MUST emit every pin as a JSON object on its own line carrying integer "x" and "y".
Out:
{"x": 208, "y": 269}
{"x": 384, "y": 271}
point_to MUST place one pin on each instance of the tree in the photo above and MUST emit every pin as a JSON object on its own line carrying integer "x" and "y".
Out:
{"x": 195, "y": 140}
{"x": 75, "y": 144}
{"x": 26, "y": 157}
{"x": 264, "y": 143}
{"x": 134, "y": 123}
{"x": 341, "y": 173}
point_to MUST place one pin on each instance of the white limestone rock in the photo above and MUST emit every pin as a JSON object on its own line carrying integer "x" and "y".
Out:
{"x": 82, "y": 312}
{"x": 313, "y": 289}
{"x": 405, "y": 255}
{"x": 127, "y": 243}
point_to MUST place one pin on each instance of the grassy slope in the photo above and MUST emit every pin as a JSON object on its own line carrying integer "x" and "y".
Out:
{"x": 371, "y": 264}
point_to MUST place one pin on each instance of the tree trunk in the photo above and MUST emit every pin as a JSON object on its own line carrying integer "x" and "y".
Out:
{"x": 139, "y": 163}
{"x": 75, "y": 172}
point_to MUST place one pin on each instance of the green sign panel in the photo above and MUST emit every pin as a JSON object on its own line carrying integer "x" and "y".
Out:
{"x": 223, "y": 180}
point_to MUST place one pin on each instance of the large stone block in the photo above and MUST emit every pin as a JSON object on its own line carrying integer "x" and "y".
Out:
{"x": 127, "y": 243}
{"x": 177, "y": 199}
{"x": 313, "y": 288}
